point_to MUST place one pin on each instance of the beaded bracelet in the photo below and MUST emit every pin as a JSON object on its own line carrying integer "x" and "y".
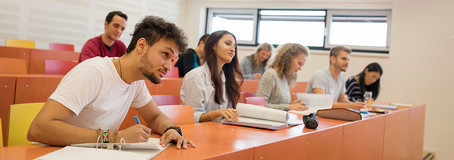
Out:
{"x": 105, "y": 136}
{"x": 114, "y": 136}
{"x": 98, "y": 137}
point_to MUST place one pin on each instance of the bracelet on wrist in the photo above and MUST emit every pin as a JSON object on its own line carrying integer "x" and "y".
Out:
{"x": 178, "y": 129}
{"x": 105, "y": 136}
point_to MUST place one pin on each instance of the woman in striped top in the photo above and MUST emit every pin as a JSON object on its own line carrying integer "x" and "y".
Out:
{"x": 367, "y": 80}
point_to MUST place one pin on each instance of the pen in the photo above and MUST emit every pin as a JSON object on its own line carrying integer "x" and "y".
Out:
{"x": 137, "y": 119}
{"x": 363, "y": 112}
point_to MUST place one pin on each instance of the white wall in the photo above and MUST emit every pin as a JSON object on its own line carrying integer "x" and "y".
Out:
{"x": 76, "y": 21}
{"x": 418, "y": 70}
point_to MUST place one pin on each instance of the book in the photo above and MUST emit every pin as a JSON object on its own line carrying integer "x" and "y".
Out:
{"x": 391, "y": 107}
{"x": 260, "y": 117}
{"x": 314, "y": 102}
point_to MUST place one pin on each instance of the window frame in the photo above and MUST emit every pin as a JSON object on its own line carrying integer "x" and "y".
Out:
{"x": 328, "y": 19}
{"x": 275, "y": 45}
{"x": 386, "y": 13}
{"x": 254, "y": 12}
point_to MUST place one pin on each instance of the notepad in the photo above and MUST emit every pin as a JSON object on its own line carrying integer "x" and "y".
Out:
{"x": 314, "y": 102}
{"x": 88, "y": 151}
{"x": 78, "y": 153}
{"x": 260, "y": 117}
{"x": 153, "y": 143}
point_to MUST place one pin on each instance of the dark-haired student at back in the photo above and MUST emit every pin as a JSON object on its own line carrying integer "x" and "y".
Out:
{"x": 367, "y": 80}
{"x": 107, "y": 44}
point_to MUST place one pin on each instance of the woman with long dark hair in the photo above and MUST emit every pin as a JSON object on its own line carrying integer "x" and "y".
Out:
{"x": 212, "y": 89}
{"x": 367, "y": 80}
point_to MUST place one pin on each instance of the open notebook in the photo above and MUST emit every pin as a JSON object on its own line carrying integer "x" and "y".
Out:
{"x": 314, "y": 102}
{"x": 261, "y": 117}
{"x": 88, "y": 151}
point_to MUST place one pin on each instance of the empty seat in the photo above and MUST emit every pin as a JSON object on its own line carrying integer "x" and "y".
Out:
{"x": 20, "y": 118}
{"x": 20, "y": 43}
{"x": 61, "y": 47}
{"x": 260, "y": 101}
{"x": 13, "y": 66}
{"x": 166, "y": 99}
{"x": 244, "y": 95}
{"x": 58, "y": 66}
{"x": 172, "y": 73}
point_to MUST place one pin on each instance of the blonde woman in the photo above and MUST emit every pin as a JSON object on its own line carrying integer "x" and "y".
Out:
{"x": 275, "y": 82}
{"x": 254, "y": 65}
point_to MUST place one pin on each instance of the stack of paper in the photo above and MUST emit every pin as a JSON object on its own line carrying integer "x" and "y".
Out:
{"x": 314, "y": 102}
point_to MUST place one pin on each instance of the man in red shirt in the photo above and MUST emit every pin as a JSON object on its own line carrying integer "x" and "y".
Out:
{"x": 107, "y": 44}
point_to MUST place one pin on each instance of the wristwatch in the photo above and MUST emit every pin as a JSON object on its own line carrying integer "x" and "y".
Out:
{"x": 178, "y": 129}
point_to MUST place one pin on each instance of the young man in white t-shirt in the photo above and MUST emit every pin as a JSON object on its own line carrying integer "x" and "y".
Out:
{"x": 330, "y": 80}
{"x": 92, "y": 100}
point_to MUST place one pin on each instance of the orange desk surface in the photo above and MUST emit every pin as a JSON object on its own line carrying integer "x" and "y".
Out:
{"x": 203, "y": 151}
{"x": 379, "y": 137}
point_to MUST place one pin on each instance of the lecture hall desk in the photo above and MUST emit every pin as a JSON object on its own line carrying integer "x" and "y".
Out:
{"x": 380, "y": 137}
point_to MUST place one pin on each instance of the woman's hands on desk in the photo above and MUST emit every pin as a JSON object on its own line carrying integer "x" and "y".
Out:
{"x": 173, "y": 135}
{"x": 356, "y": 105}
{"x": 229, "y": 114}
{"x": 297, "y": 105}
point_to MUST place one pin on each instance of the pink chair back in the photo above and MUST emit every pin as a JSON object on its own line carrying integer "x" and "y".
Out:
{"x": 260, "y": 101}
{"x": 58, "y": 66}
{"x": 172, "y": 73}
{"x": 244, "y": 95}
{"x": 61, "y": 47}
{"x": 161, "y": 100}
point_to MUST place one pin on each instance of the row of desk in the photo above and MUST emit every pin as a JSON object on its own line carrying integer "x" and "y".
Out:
{"x": 35, "y": 58}
{"x": 396, "y": 135}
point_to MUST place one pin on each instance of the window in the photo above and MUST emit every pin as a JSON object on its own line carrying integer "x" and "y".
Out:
{"x": 361, "y": 30}
{"x": 241, "y": 22}
{"x": 292, "y": 26}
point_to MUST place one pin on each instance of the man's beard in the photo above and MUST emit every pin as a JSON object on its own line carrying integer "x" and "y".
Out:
{"x": 340, "y": 67}
{"x": 145, "y": 66}
{"x": 152, "y": 77}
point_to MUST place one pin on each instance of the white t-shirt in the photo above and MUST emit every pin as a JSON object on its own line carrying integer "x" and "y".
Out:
{"x": 94, "y": 91}
{"x": 322, "y": 79}
{"x": 198, "y": 91}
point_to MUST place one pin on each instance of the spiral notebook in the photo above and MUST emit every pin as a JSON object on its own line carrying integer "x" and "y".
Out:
{"x": 89, "y": 151}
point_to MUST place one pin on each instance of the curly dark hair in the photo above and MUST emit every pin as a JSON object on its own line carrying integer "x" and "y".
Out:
{"x": 153, "y": 29}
